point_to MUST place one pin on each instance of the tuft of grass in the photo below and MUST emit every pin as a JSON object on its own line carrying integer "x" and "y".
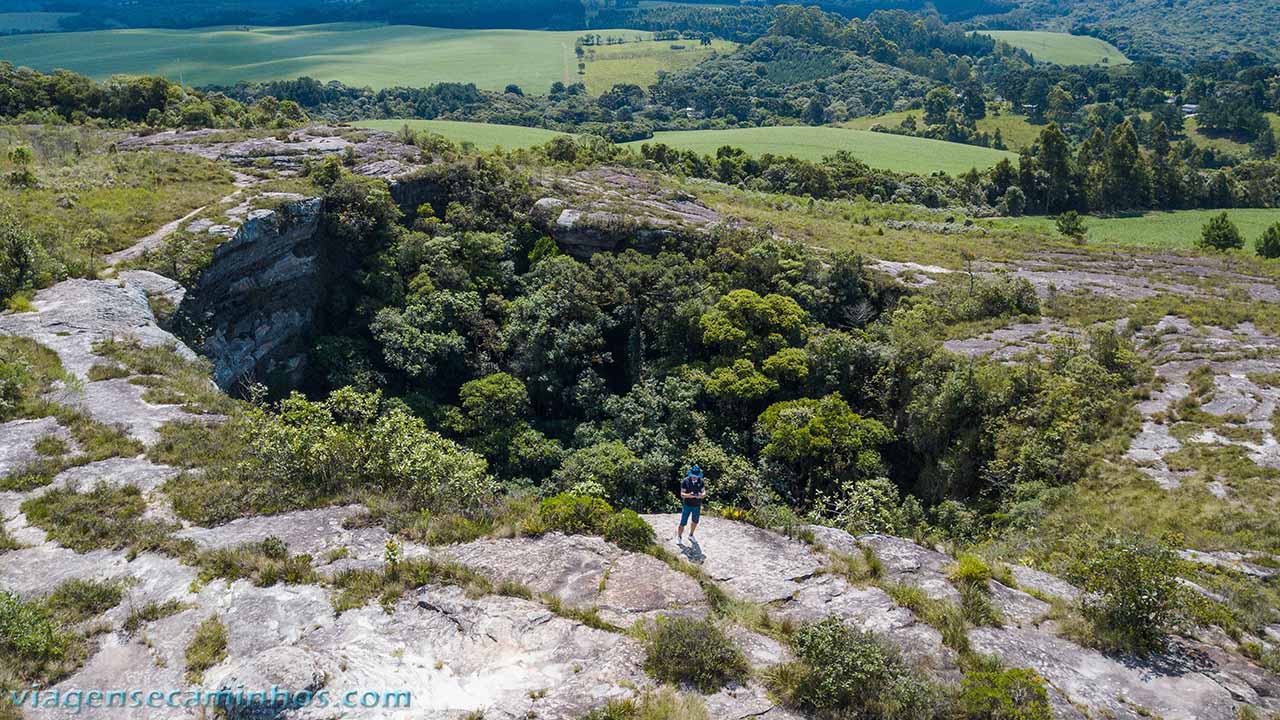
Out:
{"x": 170, "y": 379}
{"x": 28, "y": 370}
{"x": 77, "y": 600}
{"x": 51, "y": 446}
{"x": 103, "y": 518}
{"x": 97, "y": 441}
{"x": 152, "y": 612}
{"x": 355, "y": 588}
{"x": 664, "y": 703}
{"x": 587, "y": 616}
{"x": 107, "y": 371}
{"x": 207, "y": 648}
{"x": 263, "y": 563}
{"x": 945, "y": 617}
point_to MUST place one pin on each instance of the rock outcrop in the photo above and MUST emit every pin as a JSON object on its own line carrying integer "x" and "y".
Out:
{"x": 612, "y": 209}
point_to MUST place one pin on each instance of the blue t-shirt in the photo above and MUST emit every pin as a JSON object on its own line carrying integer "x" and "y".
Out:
{"x": 692, "y": 485}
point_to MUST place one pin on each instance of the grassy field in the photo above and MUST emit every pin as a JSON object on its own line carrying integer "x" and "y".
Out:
{"x": 1016, "y": 131}
{"x": 881, "y": 150}
{"x": 639, "y": 63}
{"x": 358, "y": 54}
{"x": 483, "y": 135}
{"x": 1171, "y": 230}
{"x": 30, "y": 21}
{"x": 1062, "y": 48}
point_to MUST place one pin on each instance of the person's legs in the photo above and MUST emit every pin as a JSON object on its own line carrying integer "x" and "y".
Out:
{"x": 684, "y": 520}
{"x": 697, "y": 515}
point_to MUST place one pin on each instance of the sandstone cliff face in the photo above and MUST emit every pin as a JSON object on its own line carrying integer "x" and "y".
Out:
{"x": 253, "y": 311}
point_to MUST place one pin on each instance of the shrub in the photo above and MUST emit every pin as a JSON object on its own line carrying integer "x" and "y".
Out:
{"x": 1131, "y": 594}
{"x": 23, "y": 261}
{"x": 1013, "y": 694}
{"x": 1070, "y": 224}
{"x": 1268, "y": 244}
{"x": 843, "y": 672}
{"x": 575, "y": 514}
{"x": 628, "y": 531}
{"x": 696, "y": 652}
{"x": 28, "y": 632}
{"x": 207, "y": 648}
{"x": 1220, "y": 234}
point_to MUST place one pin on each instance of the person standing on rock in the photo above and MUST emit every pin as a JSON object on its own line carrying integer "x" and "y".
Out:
{"x": 692, "y": 492}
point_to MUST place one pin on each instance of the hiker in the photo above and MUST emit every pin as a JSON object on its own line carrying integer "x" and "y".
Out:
{"x": 692, "y": 492}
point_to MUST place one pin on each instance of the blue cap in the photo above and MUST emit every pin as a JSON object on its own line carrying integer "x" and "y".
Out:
{"x": 695, "y": 471}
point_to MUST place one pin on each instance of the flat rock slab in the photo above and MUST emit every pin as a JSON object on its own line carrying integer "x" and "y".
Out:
{"x": 38, "y": 569}
{"x": 18, "y": 439}
{"x": 1108, "y": 687}
{"x": 305, "y": 532}
{"x": 752, "y": 563}
{"x": 507, "y": 657}
{"x": 116, "y": 472}
{"x": 585, "y": 571}
{"x": 571, "y": 567}
{"x": 72, "y": 315}
{"x": 119, "y": 402}
{"x": 641, "y": 586}
{"x": 740, "y": 703}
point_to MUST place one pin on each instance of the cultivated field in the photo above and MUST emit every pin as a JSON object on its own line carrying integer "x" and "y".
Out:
{"x": 484, "y": 136}
{"x": 880, "y": 150}
{"x": 1062, "y": 48}
{"x": 639, "y": 63}
{"x": 1165, "y": 230}
{"x": 360, "y": 54}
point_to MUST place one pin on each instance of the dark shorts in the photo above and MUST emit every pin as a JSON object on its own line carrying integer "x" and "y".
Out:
{"x": 687, "y": 510}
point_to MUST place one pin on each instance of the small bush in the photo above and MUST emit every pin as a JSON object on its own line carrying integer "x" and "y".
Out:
{"x": 1220, "y": 234}
{"x": 696, "y": 652}
{"x": 846, "y": 673}
{"x": 628, "y": 531}
{"x": 1131, "y": 594}
{"x": 207, "y": 648}
{"x": 355, "y": 588}
{"x": 1268, "y": 244}
{"x": 575, "y": 514}
{"x": 1014, "y": 694}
